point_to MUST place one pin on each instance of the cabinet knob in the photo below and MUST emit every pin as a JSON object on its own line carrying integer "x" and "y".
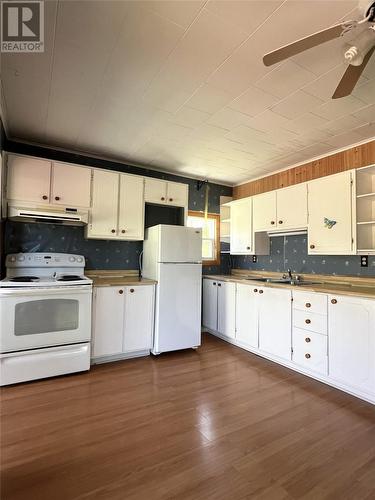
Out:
{"x": 57, "y": 198}
{"x": 308, "y": 304}
{"x": 214, "y": 283}
{"x": 307, "y": 339}
{"x": 312, "y": 247}
{"x": 170, "y": 199}
{"x": 272, "y": 222}
{"x": 123, "y": 231}
{"x": 121, "y": 292}
{"x": 113, "y": 230}
{"x": 162, "y": 198}
{"x": 280, "y": 221}
{"x": 307, "y": 321}
{"x": 260, "y": 291}
{"x": 132, "y": 290}
{"x": 219, "y": 284}
{"x": 307, "y": 356}
{"x": 333, "y": 301}
{"x": 45, "y": 197}
{"x": 247, "y": 248}
{"x": 255, "y": 290}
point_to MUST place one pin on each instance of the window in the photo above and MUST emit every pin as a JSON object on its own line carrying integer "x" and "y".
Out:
{"x": 210, "y": 236}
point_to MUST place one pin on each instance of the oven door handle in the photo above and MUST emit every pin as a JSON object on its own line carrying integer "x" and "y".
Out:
{"x": 35, "y": 292}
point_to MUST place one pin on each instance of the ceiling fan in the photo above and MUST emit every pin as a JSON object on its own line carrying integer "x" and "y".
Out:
{"x": 357, "y": 54}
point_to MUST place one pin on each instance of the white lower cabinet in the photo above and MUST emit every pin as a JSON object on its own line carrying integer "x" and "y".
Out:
{"x": 275, "y": 322}
{"x": 209, "y": 308}
{"x": 226, "y": 308}
{"x": 351, "y": 331}
{"x": 123, "y": 320}
{"x": 247, "y": 315}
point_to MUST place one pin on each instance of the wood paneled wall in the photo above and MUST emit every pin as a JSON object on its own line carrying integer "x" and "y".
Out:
{"x": 356, "y": 157}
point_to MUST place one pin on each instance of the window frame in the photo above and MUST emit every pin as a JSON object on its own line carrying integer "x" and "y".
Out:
{"x": 216, "y": 217}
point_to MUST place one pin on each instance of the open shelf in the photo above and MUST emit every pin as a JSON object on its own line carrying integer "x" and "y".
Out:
{"x": 366, "y": 180}
{"x": 366, "y": 237}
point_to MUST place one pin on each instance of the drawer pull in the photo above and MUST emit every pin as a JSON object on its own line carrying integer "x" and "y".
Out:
{"x": 260, "y": 291}
{"x": 255, "y": 290}
{"x": 333, "y": 301}
{"x": 307, "y": 356}
{"x": 307, "y": 339}
{"x": 308, "y": 304}
{"x": 132, "y": 290}
{"x": 307, "y": 321}
{"x": 121, "y": 292}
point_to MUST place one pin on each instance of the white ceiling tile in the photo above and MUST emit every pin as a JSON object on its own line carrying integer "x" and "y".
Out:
{"x": 285, "y": 79}
{"x": 306, "y": 123}
{"x": 229, "y": 118}
{"x": 366, "y": 114}
{"x": 209, "y": 99}
{"x": 342, "y": 124}
{"x": 366, "y": 92}
{"x": 253, "y": 101}
{"x": 340, "y": 140}
{"x": 335, "y": 108}
{"x": 296, "y": 105}
{"x": 366, "y": 131}
{"x": 189, "y": 117}
{"x": 180, "y": 12}
{"x": 243, "y": 134}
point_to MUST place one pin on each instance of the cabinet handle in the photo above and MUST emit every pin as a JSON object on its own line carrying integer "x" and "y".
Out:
{"x": 333, "y": 301}
{"x": 45, "y": 197}
{"x": 307, "y": 321}
{"x": 307, "y": 356}
{"x": 219, "y": 284}
{"x": 272, "y": 222}
{"x": 280, "y": 221}
{"x": 162, "y": 198}
{"x": 255, "y": 290}
{"x": 170, "y": 199}
{"x": 214, "y": 283}
{"x": 307, "y": 339}
{"x": 123, "y": 231}
{"x": 132, "y": 290}
{"x": 312, "y": 247}
{"x": 308, "y": 304}
{"x": 248, "y": 248}
{"x": 260, "y": 291}
{"x": 113, "y": 230}
{"x": 121, "y": 292}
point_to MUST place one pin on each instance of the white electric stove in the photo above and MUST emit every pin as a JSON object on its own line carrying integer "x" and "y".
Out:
{"x": 45, "y": 316}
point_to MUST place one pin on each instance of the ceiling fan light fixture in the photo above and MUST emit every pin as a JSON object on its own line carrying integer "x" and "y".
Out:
{"x": 356, "y": 53}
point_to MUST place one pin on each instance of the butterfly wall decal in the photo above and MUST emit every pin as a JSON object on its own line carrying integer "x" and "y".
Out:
{"x": 329, "y": 223}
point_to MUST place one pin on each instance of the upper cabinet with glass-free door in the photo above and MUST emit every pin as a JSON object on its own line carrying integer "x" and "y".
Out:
{"x": 70, "y": 185}
{"x": 241, "y": 231}
{"x": 264, "y": 211}
{"x": 331, "y": 202}
{"x": 166, "y": 193}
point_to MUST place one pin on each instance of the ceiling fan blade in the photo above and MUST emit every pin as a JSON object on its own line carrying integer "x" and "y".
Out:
{"x": 308, "y": 42}
{"x": 351, "y": 77}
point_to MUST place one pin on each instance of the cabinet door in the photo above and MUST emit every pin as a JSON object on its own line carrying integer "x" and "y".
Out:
{"x": 351, "y": 340}
{"x": 108, "y": 320}
{"x": 241, "y": 228}
{"x": 247, "y": 315}
{"x": 28, "y": 179}
{"x": 139, "y": 318}
{"x": 131, "y": 208}
{"x": 226, "y": 308}
{"x": 330, "y": 215}
{"x": 264, "y": 211}
{"x": 177, "y": 194}
{"x": 292, "y": 207}
{"x": 210, "y": 304}
{"x": 275, "y": 322}
{"x": 70, "y": 185}
{"x": 103, "y": 222}
{"x": 155, "y": 191}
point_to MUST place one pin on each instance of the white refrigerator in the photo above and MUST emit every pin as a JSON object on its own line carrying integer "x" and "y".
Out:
{"x": 172, "y": 255}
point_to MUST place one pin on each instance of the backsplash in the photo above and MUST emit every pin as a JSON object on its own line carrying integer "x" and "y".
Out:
{"x": 99, "y": 254}
{"x": 290, "y": 252}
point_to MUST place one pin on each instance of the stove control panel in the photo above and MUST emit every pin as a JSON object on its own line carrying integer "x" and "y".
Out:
{"x": 39, "y": 259}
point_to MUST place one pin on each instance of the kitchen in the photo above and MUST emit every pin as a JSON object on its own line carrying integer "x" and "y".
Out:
{"x": 187, "y": 297}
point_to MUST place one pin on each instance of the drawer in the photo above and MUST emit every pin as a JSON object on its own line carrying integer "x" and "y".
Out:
{"x": 310, "y": 301}
{"x": 310, "y": 321}
{"x": 310, "y": 351}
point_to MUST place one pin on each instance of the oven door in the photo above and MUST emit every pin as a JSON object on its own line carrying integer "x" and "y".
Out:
{"x": 43, "y": 317}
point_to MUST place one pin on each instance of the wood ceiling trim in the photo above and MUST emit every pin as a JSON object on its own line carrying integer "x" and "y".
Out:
{"x": 356, "y": 157}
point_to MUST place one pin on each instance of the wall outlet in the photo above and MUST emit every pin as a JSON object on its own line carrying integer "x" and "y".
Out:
{"x": 255, "y": 258}
{"x": 364, "y": 260}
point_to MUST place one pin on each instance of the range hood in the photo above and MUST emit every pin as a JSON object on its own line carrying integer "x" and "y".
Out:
{"x": 65, "y": 216}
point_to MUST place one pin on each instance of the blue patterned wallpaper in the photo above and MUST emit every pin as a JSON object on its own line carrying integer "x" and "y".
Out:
{"x": 100, "y": 254}
{"x": 291, "y": 252}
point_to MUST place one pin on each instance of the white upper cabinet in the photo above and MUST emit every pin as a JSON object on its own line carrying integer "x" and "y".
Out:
{"x": 275, "y": 322}
{"x": 331, "y": 215}
{"x": 131, "y": 207}
{"x": 28, "y": 179}
{"x": 351, "y": 341}
{"x": 105, "y": 191}
{"x": 264, "y": 211}
{"x": 70, "y": 185}
{"x": 291, "y": 207}
{"x": 41, "y": 181}
{"x": 241, "y": 235}
{"x": 166, "y": 193}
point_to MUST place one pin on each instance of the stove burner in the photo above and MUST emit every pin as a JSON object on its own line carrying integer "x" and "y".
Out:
{"x": 70, "y": 277}
{"x": 24, "y": 279}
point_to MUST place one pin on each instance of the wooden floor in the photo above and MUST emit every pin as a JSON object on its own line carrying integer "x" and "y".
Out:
{"x": 217, "y": 423}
